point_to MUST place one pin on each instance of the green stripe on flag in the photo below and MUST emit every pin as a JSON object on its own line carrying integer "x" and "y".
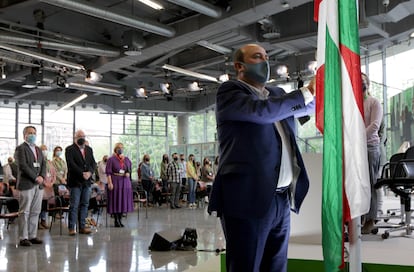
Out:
{"x": 348, "y": 25}
{"x": 332, "y": 159}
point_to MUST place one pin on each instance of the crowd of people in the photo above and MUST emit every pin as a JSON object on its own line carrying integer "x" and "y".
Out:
{"x": 33, "y": 179}
{"x": 179, "y": 179}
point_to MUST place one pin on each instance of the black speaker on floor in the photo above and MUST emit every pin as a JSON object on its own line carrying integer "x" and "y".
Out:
{"x": 165, "y": 240}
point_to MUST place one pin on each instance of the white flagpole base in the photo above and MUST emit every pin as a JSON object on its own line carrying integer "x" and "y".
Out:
{"x": 355, "y": 261}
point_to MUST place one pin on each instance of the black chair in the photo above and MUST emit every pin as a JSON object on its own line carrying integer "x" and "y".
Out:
{"x": 400, "y": 180}
{"x": 56, "y": 206}
{"x": 101, "y": 204}
{"x": 140, "y": 197}
{"x": 388, "y": 171}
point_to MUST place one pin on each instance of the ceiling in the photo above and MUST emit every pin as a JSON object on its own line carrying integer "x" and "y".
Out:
{"x": 57, "y": 42}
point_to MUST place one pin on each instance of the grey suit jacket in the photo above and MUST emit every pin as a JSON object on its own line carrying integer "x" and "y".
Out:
{"x": 28, "y": 166}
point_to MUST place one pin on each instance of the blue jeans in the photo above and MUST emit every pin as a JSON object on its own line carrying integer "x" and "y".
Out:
{"x": 373, "y": 167}
{"x": 79, "y": 202}
{"x": 191, "y": 190}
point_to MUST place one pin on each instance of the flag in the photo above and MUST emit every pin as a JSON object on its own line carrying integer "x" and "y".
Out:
{"x": 340, "y": 117}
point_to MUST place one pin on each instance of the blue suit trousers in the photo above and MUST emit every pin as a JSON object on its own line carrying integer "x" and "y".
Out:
{"x": 254, "y": 245}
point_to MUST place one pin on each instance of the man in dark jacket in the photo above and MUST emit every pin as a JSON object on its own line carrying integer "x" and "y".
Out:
{"x": 31, "y": 173}
{"x": 261, "y": 175}
{"x": 81, "y": 166}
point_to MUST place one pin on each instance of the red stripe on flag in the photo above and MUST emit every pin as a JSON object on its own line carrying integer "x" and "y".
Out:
{"x": 316, "y": 10}
{"x": 353, "y": 65}
{"x": 319, "y": 110}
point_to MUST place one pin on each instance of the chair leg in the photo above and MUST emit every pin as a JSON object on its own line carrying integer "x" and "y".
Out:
{"x": 146, "y": 210}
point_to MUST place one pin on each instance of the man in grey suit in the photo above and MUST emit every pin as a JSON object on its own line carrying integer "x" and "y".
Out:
{"x": 31, "y": 171}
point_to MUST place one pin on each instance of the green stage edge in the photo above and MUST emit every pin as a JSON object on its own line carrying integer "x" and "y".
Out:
{"x": 298, "y": 265}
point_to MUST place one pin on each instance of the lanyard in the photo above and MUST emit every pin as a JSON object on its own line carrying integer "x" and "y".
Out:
{"x": 121, "y": 161}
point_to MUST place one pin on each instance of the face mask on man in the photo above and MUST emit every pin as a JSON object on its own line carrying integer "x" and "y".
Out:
{"x": 31, "y": 139}
{"x": 81, "y": 141}
{"x": 259, "y": 72}
{"x": 175, "y": 159}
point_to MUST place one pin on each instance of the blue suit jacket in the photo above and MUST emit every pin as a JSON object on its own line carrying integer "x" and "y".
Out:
{"x": 250, "y": 149}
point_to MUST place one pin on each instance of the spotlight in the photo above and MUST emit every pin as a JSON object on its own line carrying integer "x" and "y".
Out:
{"x": 165, "y": 88}
{"x": 224, "y": 77}
{"x": 140, "y": 92}
{"x": 61, "y": 81}
{"x": 193, "y": 87}
{"x": 92, "y": 77}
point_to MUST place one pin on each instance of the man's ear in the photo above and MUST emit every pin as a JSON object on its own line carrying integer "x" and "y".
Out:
{"x": 238, "y": 66}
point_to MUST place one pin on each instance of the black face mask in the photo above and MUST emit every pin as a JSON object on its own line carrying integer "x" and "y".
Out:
{"x": 147, "y": 160}
{"x": 175, "y": 159}
{"x": 81, "y": 141}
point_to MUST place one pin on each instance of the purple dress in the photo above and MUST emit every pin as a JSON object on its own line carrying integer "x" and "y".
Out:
{"x": 120, "y": 198}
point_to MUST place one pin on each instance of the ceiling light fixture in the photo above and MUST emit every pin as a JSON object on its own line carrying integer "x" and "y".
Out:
{"x": 95, "y": 88}
{"x": 189, "y": 73}
{"x": 92, "y": 77}
{"x": 224, "y": 77}
{"x": 165, "y": 88}
{"x": 140, "y": 92}
{"x": 152, "y": 4}
{"x": 282, "y": 71}
{"x": 126, "y": 100}
{"x": 3, "y": 74}
{"x": 214, "y": 47}
{"x": 194, "y": 87}
{"x": 73, "y": 102}
{"x": 285, "y": 4}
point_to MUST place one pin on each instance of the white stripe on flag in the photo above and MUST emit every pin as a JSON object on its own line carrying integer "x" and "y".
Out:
{"x": 357, "y": 185}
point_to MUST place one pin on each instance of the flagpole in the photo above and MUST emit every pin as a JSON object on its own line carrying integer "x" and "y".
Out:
{"x": 355, "y": 262}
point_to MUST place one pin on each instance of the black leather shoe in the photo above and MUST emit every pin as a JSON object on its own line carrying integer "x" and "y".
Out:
{"x": 25, "y": 243}
{"x": 172, "y": 207}
{"x": 178, "y": 206}
{"x": 36, "y": 241}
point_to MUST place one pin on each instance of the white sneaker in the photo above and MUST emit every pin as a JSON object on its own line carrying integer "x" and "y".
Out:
{"x": 190, "y": 205}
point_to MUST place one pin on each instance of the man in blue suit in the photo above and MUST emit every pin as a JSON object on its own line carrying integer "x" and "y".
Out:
{"x": 261, "y": 175}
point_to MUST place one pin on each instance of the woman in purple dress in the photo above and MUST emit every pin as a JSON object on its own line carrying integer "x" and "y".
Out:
{"x": 118, "y": 170}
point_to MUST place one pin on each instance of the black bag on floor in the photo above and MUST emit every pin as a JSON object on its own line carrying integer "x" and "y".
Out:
{"x": 189, "y": 240}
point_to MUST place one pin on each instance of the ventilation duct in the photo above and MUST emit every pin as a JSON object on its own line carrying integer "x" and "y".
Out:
{"x": 199, "y": 6}
{"x": 40, "y": 56}
{"x": 91, "y": 50}
{"x": 105, "y": 14}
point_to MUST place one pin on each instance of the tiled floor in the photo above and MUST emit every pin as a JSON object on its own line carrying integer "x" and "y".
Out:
{"x": 126, "y": 249}
{"x": 115, "y": 249}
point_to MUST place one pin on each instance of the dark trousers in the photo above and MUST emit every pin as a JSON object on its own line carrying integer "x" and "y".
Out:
{"x": 253, "y": 244}
{"x": 148, "y": 187}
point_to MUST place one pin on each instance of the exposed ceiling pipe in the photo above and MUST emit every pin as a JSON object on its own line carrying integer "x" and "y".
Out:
{"x": 42, "y": 56}
{"x": 16, "y": 75}
{"x": 7, "y": 92}
{"x": 92, "y": 50}
{"x": 104, "y": 13}
{"x": 199, "y": 6}
{"x": 96, "y": 88}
